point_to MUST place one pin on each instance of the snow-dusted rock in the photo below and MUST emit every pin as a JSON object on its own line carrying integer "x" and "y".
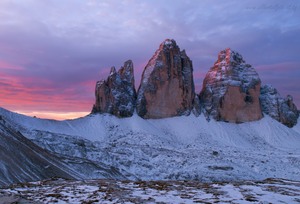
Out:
{"x": 231, "y": 90}
{"x": 167, "y": 85}
{"x": 281, "y": 109}
{"x": 21, "y": 160}
{"x": 117, "y": 94}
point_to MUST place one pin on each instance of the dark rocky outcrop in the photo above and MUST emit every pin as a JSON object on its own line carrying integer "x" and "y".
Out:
{"x": 281, "y": 109}
{"x": 231, "y": 90}
{"x": 167, "y": 85}
{"x": 116, "y": 95}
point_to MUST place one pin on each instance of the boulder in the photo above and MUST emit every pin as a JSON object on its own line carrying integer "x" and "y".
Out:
{"x": 280, "y": 109}
{"x": 231, "y": 90}
{"x": 116, "y": 95}
{"x": 167, "y": 85}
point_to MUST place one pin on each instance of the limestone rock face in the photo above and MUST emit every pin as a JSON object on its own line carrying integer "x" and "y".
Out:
{"x": 231, "y": 90}
{"x": 167, "y": 85}
{"x": 281, "y": 109}
{"x": 116, "y": 95}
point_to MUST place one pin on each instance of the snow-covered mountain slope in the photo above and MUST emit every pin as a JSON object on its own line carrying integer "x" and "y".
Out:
{"x": 185, "y": 147}
{"x": 21, "y": 160}
{"x": 297, "y": 126}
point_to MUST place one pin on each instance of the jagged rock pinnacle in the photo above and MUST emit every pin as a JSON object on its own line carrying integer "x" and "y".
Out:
{"x": 117, "y": 94}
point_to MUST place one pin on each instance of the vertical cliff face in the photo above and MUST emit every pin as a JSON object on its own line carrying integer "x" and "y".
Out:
{"x": 116, "y": 95}
{"x": 231, "y": 90}
{"x": 281, "y": 109}
{"x": 167, "y": 85}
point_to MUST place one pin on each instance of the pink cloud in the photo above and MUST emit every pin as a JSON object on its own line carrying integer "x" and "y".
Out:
{"x": 22, "y": 95}
{"x": 7, "y": 65}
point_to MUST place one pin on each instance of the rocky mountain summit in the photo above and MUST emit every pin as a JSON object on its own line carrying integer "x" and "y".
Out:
{"x": 117, "y": 94}
{"x": 167, "y": 84}
{"x": 281, "y": 109}
{"x": 231, "y": 90}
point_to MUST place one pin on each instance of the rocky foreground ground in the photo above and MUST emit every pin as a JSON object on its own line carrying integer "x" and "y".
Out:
{"x": 112, "y": 191}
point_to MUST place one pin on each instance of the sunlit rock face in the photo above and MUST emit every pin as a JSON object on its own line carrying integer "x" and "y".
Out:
{"x": 281, "y": 109}
{"x": 167, "y": 85}
{"x": 116, "y": 95}
{"x": 231, "y": 90}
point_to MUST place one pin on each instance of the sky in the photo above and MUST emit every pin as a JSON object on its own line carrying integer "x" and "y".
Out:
{"x": 53, "y": 52}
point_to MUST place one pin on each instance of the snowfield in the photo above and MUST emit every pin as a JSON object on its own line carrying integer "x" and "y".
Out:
{"x": 178, "y": 148}
{"x": 173, "y": 192}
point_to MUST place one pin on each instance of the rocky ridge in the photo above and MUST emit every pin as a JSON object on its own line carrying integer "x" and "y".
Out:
{"x": 231, "y": 90}
{"x": 281, "y": 109}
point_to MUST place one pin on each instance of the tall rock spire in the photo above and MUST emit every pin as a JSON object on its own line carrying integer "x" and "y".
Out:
{"x": 116, "y": 95}
{"x": 167, "y": 85}
{"x": 231, "y": 90}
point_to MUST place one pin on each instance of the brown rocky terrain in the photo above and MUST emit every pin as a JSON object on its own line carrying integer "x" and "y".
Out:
{"x": 167, "y": 192}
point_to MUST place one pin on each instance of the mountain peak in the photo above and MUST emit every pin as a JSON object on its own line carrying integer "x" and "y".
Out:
{"x": 229, "y": 56}
{"x": 167, "y": 86}
{"x": 231, "y": 89}
{"x": 168, "y": 44}
{"x": 128, "y": 65}
{"x": 112, "y": 71}
{"x": 116, "y": 95}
